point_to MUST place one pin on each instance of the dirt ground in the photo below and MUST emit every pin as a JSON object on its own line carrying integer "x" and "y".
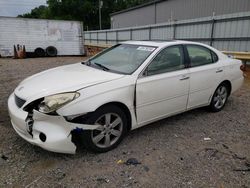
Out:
{"x": 172, "y": 152}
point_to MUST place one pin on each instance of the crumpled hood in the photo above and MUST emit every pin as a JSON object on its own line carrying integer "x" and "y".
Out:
{"x": 62, "y": 79}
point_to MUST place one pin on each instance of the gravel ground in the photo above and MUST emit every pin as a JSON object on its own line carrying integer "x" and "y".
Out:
{"x": 172, "y": 152}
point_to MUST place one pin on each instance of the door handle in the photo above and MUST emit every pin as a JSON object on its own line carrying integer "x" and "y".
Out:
{"x": 219, "y": 70}
{"x": 184, "y": 77}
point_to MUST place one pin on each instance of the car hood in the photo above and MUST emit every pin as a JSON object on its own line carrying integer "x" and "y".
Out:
{"x": 62, "y": 79}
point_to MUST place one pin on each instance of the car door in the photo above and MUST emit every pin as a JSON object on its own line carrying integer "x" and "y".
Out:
{"x": 206, "y": 73}
{"x": 163, "y": 88}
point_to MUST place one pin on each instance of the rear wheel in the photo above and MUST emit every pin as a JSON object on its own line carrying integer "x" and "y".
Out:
{"x": 219, "y": 98}
{"x": 51, "y": 51}
{"x": 113, "y": 126}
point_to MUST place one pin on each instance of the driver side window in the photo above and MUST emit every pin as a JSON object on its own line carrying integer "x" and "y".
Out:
{"x": 169, "y": 59}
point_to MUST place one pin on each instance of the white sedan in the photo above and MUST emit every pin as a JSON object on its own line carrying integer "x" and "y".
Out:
{"x": 124, "y": 87}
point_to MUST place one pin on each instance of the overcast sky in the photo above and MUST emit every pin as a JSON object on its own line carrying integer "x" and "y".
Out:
{"x": 13, "y": 8}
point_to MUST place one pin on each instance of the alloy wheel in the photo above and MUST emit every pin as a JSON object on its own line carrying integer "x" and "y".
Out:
{"x": 109, "y": 131}
{"x": 220, "y": 97}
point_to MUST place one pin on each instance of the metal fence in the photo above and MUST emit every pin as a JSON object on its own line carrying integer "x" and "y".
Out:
{"x": 225, "y": 32}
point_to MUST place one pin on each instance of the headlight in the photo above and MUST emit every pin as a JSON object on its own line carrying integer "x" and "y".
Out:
{"x": 54, "y": 102}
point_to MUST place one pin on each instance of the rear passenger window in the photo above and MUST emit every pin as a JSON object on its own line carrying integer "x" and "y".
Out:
{"x": 200, "y": 55}
{"x": 215, "y": 57}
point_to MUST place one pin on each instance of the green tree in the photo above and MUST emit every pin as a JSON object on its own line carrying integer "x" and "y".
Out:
{"x": 38, "y": 12}
{"x": 81, "y": 10}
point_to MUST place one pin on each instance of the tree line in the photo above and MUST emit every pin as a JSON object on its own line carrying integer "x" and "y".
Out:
{"x": 86, "y": 11}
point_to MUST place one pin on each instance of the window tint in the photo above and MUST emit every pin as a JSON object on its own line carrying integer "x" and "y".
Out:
{"x": 199, "y": 55}
{"x": 215, "y": 57}
{"x": 123, "y": 58}
{"x": 169, "y": 59}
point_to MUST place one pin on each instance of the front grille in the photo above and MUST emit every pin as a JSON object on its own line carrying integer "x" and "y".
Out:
{"x": 19, "y": 102}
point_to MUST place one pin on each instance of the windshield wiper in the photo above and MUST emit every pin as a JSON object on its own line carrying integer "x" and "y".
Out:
{"x": 102, "y": 66}
{"x": 88, "y": 62}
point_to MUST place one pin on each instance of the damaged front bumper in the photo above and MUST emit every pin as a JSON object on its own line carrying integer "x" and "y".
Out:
{"x": 52, "y": 133}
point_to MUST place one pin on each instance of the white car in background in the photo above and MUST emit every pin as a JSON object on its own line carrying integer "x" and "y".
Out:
{"x": 124, "y": 87}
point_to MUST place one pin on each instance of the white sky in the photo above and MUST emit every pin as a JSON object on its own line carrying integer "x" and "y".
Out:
{"x": 12, "y": 8}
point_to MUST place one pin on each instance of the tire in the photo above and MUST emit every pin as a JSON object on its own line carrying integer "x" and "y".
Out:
{"x": 39, "y": 52}
{"x": 106, "y": 137}
{"x": 51, "y": 51}
{"x": 219, "y": 98}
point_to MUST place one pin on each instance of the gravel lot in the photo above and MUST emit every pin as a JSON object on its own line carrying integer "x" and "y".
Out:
{"x": 172, "y": 152}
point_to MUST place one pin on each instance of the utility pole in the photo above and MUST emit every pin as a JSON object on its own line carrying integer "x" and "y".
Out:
{"x": 100, "y": 14}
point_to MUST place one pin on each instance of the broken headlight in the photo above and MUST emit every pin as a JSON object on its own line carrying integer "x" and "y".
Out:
{"x": 54, "y": 102}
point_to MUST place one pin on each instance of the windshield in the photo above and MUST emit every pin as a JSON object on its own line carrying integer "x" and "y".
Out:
{"x": 122, "y": 58}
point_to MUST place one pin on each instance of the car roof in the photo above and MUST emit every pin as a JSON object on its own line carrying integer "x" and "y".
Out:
{"x": 160, "y": 43}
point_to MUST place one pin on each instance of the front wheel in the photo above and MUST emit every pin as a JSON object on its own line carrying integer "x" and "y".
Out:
{"x": 219, "y": 98}
{"x": 113, "y": 126}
